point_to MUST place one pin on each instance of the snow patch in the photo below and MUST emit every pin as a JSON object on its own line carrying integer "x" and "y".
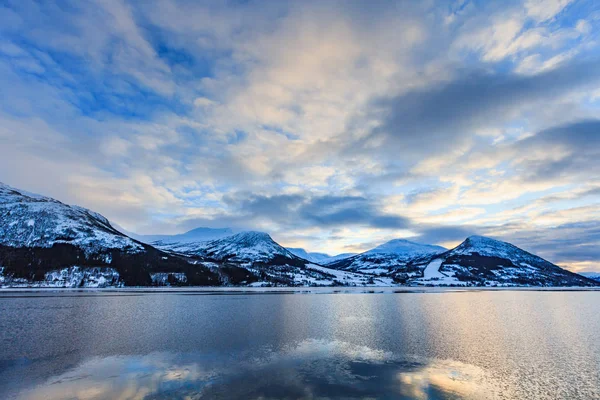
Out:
{"x": 72, "y": 277}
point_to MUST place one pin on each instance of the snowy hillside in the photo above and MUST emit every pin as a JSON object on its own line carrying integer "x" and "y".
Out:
{"x": 246, "y": 247}
{"x": 255, "y": 258}
{"x": 390, "y": 256}
{"x": 46, "y": 243}
{"x": 242, "y": 247}
{"x": 337, "y": 257}
{"x": 485, "y": 261}
{"x": 29, "y": 220}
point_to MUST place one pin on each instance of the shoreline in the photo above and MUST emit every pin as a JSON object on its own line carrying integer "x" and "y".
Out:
{"x": 208, "y": 290}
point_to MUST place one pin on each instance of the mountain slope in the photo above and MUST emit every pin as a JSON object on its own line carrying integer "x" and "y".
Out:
{"x": 256, "y": 258}
{"x": 29, "y": 220}
{"x": 46, "y": 243}
{"x": 485, "y": 261}
{"x": 338, "y": 257}
{"x": 42, "y": 239}
{"x": 247, "y": 246}
{"x": 388, "y": 257}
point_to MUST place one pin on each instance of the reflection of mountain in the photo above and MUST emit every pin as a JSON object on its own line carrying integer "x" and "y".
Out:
{"x": 167, "y": 342}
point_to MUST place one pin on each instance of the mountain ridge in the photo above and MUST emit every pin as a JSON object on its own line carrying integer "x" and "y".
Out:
{"x": 193, "y": 235}
{"x": 44, "y": 241}
{"x": 387, "y": 257}
{"x": 485, "y": 261}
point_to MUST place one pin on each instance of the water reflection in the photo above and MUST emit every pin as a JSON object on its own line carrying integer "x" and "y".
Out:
{"x": 540, "y": 345}
{"x": 311, "y": 369}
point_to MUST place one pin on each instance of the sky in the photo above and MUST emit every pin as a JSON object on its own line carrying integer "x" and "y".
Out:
{"x": 332, "y": 125}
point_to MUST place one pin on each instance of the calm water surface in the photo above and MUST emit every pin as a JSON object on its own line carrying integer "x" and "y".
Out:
{"x": 193, "y": 345}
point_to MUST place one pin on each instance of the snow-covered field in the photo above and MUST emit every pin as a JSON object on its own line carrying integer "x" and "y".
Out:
{"x": 433, "y": 276}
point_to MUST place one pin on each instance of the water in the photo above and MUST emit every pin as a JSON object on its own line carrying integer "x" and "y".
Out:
{"x": 194, "y": 345}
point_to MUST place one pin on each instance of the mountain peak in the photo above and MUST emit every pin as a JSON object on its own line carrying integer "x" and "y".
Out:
{"x": 7, "y": 190}
{"x": 488, "y": 261}
{"x": 252, "y": 236}
{"x": 402, "y": 246}
{"x": 484, "y": 242}
{"x": 202, "y": 230}
{"x": 481, "y": 239}
{"x": 28, "y": 219}
{"x": 486, "y": 246}
{"x": 244, "y": 246}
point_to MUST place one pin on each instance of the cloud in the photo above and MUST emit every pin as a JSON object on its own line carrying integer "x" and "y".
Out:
{"x": 327, "y": 124}
{"x": 442, "y": 234}
{"x": 576, "y": 143}
{"x": 445, "y": 114}
{"x": 322, "y": 211}
{"x": 569, "y": 244}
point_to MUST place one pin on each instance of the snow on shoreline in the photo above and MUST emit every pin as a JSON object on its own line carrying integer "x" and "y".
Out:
{"x": 72, "y": 277}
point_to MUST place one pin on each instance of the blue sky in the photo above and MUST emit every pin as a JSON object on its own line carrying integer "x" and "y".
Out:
{"x": 333, "y": 125}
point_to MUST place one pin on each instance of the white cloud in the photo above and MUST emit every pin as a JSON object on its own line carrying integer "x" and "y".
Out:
{"x": 153, "y": 112}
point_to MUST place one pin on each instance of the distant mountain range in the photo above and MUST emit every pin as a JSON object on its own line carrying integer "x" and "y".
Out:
{"x": 195, "y": 235}
{"x": 591, "y": 275}
{"x": 319, "y": 258}
{"x": 45, "y": 243}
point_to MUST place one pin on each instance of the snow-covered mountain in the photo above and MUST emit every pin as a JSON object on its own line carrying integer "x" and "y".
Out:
{"x": 247, "y": 246}
{"x": 46, "y": 242}
{"x": 338, "y": 257}
{"x": 319, "y": 258}
{"x": 255, "y": 258}
{"x": 30, "y": 220}
{"x": 484, "y": 261}
{"x": 388, "y": 257}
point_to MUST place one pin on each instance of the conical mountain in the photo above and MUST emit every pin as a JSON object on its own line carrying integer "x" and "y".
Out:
{"x": 388, "y": 257}
{"x": 485, "y": 261}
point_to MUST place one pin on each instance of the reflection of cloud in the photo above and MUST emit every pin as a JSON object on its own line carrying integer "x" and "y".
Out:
{"x": 456, "y": 378}
{"x": 133, "y": 377}
{"x": 311, "y": 368}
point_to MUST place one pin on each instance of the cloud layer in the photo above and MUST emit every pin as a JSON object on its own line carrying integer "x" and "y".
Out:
{"x": 334, "y": 125}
